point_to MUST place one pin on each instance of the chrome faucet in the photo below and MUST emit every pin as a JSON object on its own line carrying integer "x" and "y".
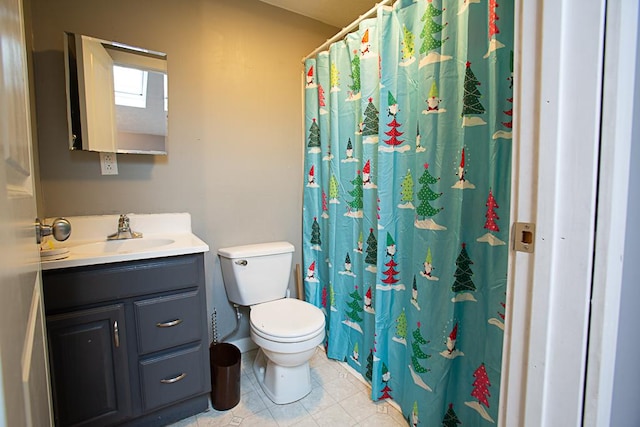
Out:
{"x": 124, "y": 231}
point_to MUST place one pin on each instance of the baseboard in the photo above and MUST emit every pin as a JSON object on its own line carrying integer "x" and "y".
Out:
{"x": 360, "y": 378}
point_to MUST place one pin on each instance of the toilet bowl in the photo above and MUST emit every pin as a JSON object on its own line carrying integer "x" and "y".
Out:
{"x": 286, "y": 330}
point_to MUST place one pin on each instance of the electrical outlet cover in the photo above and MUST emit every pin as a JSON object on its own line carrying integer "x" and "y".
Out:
{"x": 108, "y": 164}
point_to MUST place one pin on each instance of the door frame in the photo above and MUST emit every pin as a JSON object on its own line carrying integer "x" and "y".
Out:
{"x": 563, "y": 300}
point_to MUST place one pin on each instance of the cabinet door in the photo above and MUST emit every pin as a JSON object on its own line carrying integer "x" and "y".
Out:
{"x": 89, "y": 369}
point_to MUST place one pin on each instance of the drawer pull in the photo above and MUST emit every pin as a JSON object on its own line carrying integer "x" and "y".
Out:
{"x": 174, "y": 379}
{"x": 169, "y": 324}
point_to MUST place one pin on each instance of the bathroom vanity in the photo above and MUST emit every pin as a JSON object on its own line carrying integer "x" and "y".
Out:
{"x": 127, "y": 329}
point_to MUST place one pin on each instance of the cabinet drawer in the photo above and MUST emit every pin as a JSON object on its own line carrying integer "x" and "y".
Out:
{"x": 172, "y": 377}
{"x": 167, "y": 321}
{"x": 67, "y": 288}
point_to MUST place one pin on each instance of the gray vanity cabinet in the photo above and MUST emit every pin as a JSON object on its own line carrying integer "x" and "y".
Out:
{"x": 128, "y": 341}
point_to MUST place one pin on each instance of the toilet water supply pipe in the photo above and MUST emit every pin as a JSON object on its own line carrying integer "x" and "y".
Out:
{"x": 214, "y": 325}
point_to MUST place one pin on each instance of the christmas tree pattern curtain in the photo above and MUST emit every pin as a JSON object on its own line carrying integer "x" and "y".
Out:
{"x": 406, "y": 203}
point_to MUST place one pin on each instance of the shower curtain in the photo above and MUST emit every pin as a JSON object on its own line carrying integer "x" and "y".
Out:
{"x": 406, "y": 203}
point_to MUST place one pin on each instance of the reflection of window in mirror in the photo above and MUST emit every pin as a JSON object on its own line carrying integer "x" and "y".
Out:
{"x": 130, "y": 86}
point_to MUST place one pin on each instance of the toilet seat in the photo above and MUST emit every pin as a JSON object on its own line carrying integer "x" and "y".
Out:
{"x": 286, "y": 320}
{"x": 279, "y": 340}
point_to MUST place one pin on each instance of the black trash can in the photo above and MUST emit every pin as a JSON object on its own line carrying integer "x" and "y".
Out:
{"x": 225, "y": 375}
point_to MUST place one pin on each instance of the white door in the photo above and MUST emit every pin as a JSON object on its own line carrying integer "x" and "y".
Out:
{"x": 24, "y": 391}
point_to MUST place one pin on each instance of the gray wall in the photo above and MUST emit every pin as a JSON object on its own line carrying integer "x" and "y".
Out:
{"x": 625, "y": 410}
{"x": 235, "y": 122}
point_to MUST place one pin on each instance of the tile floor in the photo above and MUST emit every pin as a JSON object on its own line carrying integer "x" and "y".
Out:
{"x": 338, "y": 398}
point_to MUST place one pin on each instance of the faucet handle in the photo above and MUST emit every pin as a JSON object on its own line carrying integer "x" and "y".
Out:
{"x": 124, "y": 230}
{"x": 123, "y": 221}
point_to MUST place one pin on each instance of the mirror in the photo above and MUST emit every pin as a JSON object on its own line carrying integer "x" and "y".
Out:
{"x": 116, "y": 96}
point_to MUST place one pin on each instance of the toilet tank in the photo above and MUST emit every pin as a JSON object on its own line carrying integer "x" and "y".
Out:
{"x": 257, "y": 273}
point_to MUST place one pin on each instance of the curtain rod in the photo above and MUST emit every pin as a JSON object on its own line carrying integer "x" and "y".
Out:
{"x": 348, "y": 28}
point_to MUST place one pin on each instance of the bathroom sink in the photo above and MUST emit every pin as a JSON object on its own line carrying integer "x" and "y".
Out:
{"x": 165, "y": 235}
{"x": 121, "y": 246}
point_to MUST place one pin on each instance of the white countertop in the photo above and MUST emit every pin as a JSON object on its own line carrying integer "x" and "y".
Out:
{"x": 171, "y": 232}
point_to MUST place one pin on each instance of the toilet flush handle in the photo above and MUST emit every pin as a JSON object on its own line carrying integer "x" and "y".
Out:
{"x": 242, "y": 262}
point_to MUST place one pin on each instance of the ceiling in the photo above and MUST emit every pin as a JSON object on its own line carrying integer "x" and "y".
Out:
{"x": 338, "y": 13}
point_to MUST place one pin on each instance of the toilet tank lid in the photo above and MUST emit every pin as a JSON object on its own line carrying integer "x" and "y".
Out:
{"x": 258, "y": 249}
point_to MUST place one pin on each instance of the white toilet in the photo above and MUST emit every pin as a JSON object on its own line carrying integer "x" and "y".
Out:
{"x": 286, "y": 330}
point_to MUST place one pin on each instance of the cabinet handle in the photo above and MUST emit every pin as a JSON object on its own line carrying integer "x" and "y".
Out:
{"x": 169, "y": 324}
{"x": 174, "y": 379}
{"x": 116, "y": 334}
